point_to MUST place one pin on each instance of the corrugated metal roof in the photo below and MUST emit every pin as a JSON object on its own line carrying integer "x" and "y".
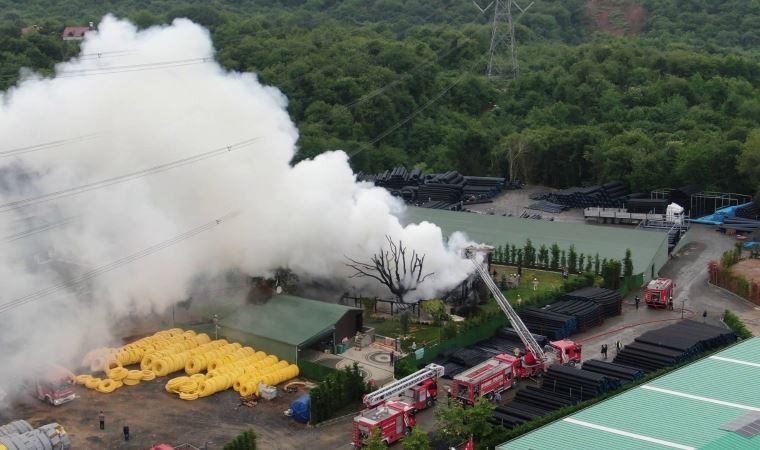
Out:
{"x": 609, "y": 242}
{"x": 684, "y": 409}
{"x": 286, "y": 318}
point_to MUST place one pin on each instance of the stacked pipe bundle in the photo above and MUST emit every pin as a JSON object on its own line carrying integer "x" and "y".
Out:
{"x": 530, "y": 403}
{"x": 15, "y": 427}
{"x": 243, "y": 370}
{"x": 647, "y": 205}
{"x": 749, "y": 211}
{"x": 608, "y": 195}
{"x": 577, "y": 383}
{"x": 550, "y": 324}
{"x": 47, "y": 437}
{"x": 740, "y": 224}
{"x": 672, "y": 344}
{"x": 623, "y": 373}
{"x": 438, "y": 190}
{"x": 134, "y": 352}
{"x": 610, "y": 301}
{"x": 483, "y": 187}
{"x": 547, "y": 206}
{"x": 588, "y": 314}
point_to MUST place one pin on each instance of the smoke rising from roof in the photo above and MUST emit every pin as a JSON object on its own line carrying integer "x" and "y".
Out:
{"x": 307, "y": 217}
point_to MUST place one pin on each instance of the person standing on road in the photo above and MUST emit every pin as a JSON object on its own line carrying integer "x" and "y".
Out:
{"x": 604, "y": 351}
{"x": 637, "y": 299}
{"x": 704, "y": 316}
{"x": 102, "y": 420}
{"x": 126, "y": 432}
{"x": 670, "y": 303}
{"x": 618, "y": 347}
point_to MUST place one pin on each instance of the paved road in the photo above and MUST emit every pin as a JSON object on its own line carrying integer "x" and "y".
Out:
{"x": 688, "y": 267}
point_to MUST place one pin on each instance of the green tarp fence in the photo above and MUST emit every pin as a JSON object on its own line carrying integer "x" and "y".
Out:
{"x": 631, "y": 283}
{"x": 314, "y": 371}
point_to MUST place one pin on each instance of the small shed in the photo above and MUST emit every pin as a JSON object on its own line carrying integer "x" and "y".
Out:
{"x": 286, "y": 324}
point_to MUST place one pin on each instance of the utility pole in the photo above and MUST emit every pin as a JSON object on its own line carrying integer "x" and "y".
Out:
{"x": 503, "y": 37}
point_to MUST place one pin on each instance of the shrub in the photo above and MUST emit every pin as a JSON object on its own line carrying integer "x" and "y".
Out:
{"x": 737, "y": 326}
{"x": 244, "y": 441}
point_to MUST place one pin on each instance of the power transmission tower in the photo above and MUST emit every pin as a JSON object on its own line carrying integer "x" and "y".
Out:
{"x": 503, "y": 37}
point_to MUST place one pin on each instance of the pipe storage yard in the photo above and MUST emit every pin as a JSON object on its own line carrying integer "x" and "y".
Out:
{"x": 711, "y": 404}
{"x": 564, "y": 386}
{"x": 649, "y": 249}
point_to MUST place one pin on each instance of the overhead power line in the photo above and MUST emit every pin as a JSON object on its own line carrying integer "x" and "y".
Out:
{"x": 43, "y": 228}
{"x": 20, "y": 301}
{"x": 123, "y": 178}
{"x": 45, "y": 145}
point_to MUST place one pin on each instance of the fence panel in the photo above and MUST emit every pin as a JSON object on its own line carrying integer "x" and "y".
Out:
{"x": 314, "y": 371}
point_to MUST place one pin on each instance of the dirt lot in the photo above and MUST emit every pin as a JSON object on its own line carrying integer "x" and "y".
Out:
{"x": 515, "y": 202}
{"x": 749, "y": 269}
{"x": 155, "y": 416}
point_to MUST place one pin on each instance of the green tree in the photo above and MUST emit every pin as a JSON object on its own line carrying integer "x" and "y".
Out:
{"x": 529, "y": 254}
{"x": 572, "y": 260}
{"x": 581, "y": 262}
{"x": 597, "y": 264}
{"x": 554, "y": 264}
{"x": 611, "y": 271}
{"x": 748, "y": 163}
{"x": 244, "y": 441}
{"x": 563, "y": 259}
{"x": 543, "y": 256}
{"x": 627, "y": 263}
{"x": 457, "y": 423}
{"x": 375, "y": 442}
{"x": 417, "y": 440}
{"x": 513, "y": 254}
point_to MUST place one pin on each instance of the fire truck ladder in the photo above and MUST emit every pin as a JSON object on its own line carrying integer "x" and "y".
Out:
{"x": 517, "y": 324}
{"x": 397, "y": 388}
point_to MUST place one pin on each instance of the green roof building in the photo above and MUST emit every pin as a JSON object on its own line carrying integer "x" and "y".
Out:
{"x": 712, "y": 404}
{"x": 649, "y": 249}
{"x": 285, "y": 324}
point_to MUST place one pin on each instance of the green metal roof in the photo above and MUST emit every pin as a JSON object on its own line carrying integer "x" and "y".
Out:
{"x": 286, "y": 318}
{"x": 684, "y": 409}
{"x": 609, "y": 242}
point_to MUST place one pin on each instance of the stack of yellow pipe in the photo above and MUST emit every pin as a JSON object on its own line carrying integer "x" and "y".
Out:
{"x": 175, "y": 358}
{"x": 199, "y": 362}
{"x": 242, "y": 370}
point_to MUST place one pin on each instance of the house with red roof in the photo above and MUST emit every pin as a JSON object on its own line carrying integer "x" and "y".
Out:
{"x": 76, "y": 33}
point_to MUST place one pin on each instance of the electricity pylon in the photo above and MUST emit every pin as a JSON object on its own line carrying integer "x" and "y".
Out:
{"x": 503, "y": 37}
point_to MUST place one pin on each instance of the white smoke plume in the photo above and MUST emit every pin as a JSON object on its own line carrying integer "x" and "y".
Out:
{"x": 137, "y": 114}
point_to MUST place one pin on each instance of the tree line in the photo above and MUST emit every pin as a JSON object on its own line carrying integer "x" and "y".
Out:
{"x": 662, "y": 110}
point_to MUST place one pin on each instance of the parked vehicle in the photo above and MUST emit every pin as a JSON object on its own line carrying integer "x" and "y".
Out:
{"x": 419, "y": 389}
{"x": 395, "y": 420}
{"x": 658, "y": 292}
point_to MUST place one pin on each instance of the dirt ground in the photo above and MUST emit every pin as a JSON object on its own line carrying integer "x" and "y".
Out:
{"x": 749, "y": 269}
{"x": 516, "y": 202}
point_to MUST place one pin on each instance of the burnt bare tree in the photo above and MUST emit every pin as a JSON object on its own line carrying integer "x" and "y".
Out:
{"x": 393, "y": 267}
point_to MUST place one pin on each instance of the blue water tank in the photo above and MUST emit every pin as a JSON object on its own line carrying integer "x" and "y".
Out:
{"x": 301, "y": 407}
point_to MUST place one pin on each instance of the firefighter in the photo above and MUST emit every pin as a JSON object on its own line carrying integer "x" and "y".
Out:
{"x": 618, "y": 347}
{"x": 519, "y": 301}
{"x": 448, "y": 395}
{"x": 535, "y": 283}
{"x": 604, "y": 351}
{"x": 102, "y": 420}
{"x": 670, "y": 303}
{"x": 637, "y": 300}
{"x": 704, "y": 316}
{"x": 126, "y": 432}
{"x": 497, "y": 398}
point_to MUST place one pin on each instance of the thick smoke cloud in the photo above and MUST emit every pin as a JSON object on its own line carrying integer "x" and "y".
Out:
{"x": 306, "y": 217}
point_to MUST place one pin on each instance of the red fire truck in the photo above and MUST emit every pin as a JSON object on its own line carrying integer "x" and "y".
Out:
{"x": 395, "y": 420}
{"x": 658, "y": 292}
{"x": 419, "y": 389}
{"x": 55, "y": 386}
{"x": 483, "y": 380}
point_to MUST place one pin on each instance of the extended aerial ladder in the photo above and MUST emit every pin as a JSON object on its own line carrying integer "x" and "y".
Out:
{"x": 395, "y": 389}
{"x": 526, "y": 336}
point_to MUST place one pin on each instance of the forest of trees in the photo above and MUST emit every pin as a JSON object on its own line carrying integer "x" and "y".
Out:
{"x": 679, "y": 104}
